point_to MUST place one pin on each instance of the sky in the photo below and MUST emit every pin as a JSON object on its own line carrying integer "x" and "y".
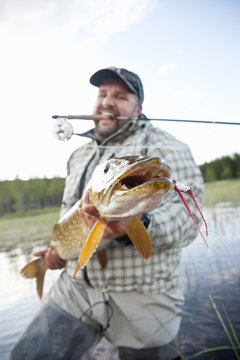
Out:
{"x": 187, "y": 53}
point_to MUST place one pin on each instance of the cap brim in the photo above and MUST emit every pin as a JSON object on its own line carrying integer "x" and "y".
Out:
{"x": 100, "y": 76}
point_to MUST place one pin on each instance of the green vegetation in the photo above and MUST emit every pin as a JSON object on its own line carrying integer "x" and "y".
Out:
{"x": 222, "y": 191}
{"x": 31, "y": 228}
{"x": 21, "y": 196}
{"x": 227, "y": 167}
{"x": 37, "y": 224}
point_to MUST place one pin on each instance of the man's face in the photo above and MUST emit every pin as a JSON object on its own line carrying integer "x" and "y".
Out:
{"x": 114, "y": 98}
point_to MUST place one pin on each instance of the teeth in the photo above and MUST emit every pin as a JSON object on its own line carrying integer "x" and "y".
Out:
{"x": 107, "y": 113}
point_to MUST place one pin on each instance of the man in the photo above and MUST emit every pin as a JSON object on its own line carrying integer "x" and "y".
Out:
{"x": 134, "y": 303}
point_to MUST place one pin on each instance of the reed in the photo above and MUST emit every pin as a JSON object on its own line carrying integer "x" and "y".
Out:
{"x": 230, "y": 334}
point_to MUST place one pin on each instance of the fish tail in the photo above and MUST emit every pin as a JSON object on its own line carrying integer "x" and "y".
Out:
{"x": 36, "y": 269}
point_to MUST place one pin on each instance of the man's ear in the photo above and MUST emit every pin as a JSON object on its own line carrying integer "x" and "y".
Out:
{"x": 139, "y": 110}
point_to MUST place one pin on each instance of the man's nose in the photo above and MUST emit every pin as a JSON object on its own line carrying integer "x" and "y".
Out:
{"x": 108, "y": 101}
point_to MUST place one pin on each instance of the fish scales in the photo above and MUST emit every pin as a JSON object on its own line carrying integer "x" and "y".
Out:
{"x": 68, "y": 236}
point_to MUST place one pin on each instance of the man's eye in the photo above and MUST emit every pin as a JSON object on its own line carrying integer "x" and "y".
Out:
{"x": 121, "y": 97}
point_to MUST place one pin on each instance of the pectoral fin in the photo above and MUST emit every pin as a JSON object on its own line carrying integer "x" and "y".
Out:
{"x": 140, "y": 237}
{"x": 90, "y": 244}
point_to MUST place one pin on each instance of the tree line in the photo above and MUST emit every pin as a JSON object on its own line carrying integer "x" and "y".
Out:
{"x": 226, "y": 167}
{"x": 23, "y": 195}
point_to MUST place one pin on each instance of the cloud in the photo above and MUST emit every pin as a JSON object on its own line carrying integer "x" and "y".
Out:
{"x": 37, "y": 37}
{"x": 167, "y": 68}
{"x": 99, "y": 17}
{"x": 36, "y": 32}
{"x": 48, "y": 50}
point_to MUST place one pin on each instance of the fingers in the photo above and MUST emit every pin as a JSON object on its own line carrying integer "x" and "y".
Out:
{"x": 40, "y": 253}
{"x": 114, "y": 229}
{"x": 86, "y": 199}
{"x": 89, "y": 215}
{"x": 53, "y": 261}
{"x": 91, "y": 210}
{"x": 87, "y": 207}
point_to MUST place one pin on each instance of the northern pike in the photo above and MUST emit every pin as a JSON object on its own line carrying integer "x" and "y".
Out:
{"x": 121, "y": 189}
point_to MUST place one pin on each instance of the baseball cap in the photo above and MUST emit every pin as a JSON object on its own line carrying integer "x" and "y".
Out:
{"x": 131, "y": 79}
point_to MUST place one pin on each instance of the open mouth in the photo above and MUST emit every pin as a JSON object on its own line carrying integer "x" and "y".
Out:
{"x": 109, "y": 115}
{"x": 142, "y": 177}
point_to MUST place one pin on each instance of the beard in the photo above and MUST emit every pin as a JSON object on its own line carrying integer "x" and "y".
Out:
{"x": 104, "y": 132}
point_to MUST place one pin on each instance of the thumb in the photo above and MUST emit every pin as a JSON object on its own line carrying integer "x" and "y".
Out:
{"x": 40, "y": 253}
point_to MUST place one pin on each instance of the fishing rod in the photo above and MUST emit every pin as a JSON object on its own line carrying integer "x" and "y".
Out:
{"x": 63, "y": 130}
{"x": 112, "y": 117}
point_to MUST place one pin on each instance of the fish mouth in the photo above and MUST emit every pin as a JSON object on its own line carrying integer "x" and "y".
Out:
{"x": 139, "y": 189}
{"x": 145, "y": 173}
{"x": 137, "y": 180}
{"x": 131, "y": 185}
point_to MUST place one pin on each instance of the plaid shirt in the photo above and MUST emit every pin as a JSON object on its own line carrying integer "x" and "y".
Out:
{"x": 170, "y": 227}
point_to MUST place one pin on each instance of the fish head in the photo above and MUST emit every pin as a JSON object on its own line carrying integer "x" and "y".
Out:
{"x": 129, "y": 186}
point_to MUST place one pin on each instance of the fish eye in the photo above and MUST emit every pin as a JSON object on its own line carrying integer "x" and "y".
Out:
{"x": 107, "y": 167}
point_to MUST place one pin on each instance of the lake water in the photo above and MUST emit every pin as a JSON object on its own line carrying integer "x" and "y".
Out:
{"x": 217, "y": 275}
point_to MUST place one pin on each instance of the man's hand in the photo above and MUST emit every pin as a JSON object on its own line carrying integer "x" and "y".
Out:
{"x": 90, "y": 215}
{"x": 53, "y": 261}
